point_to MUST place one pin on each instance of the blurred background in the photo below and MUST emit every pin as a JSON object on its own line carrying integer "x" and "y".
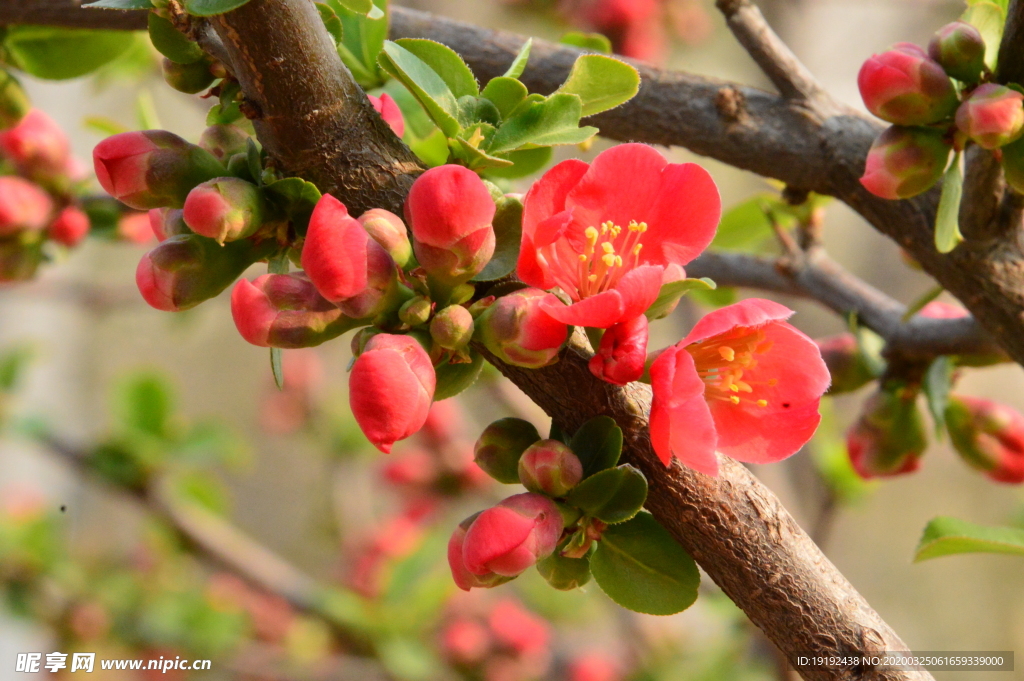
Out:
{"x": 90, "y": 365}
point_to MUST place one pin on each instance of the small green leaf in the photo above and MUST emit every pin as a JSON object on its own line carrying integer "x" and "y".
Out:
{"x": 519, "y": 63}
{"x": 296, "y": 197}
{"x": 937, "y": 384}
{"x": 505, "y": 94}
{"x": 989, "y": 18}
{"x": 601, "y": 82}
{"x": 331, "y": 21}
{"x": 473, "y": 110}
{"x": 452, "y": 379}
{"x": 612, "y": 496}
{"x": 223, "y": 115}
{"x": 171, "y": 42}
{"x": 276, "y": 367}
{"x": 719, "y": 297}
{"x": 120, "y": 4}
{"x": 363, "y": 38}
{"x": 553, "y": 121}
{"x": 598, "y": 444}
{"x": 642, "y": 568}
{"x": 947, "y": 218}
{"x": 61, "y": 53}
{"x": 253, "y": 160}
{"x": 945, "y": 536}
{"x": 674, "y": 290}
{"x": 594, "y": 42}
{"x": 446, "y": 63}
{"x": 508, "y": 233}
{"x": 429, "y": 88}
{"x": 145, "y": 111}
{"x": 13, "y": 364}
{"x": 209, "y": 8}
{"x": 105, "y": 126}
{"x": 144, "y": 404}
{"x": 747, "y": 225}
{"x": 526, "y": 162}
{"x": 358, "y": 6}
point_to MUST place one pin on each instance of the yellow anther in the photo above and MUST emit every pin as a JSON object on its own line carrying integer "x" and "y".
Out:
{"x": 592, "y": 278}
{"x": 744, "y": 387}
{"x": 637, "y": 249}
{"x": 582, "y": 257}
{"x": 727, "y": 353}
{"x": 618, "y": 261}
{"x": 591, "y": 235}
{"x": 762, "y": 403}
{"x": 643, "y": 227}
{"x": 734, "y": 399}
{"x": 608, "y": 259}
{"x": 607, "y": 247}
{"x": 733, "y": 387}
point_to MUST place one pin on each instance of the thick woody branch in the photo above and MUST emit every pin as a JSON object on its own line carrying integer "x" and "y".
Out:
{"x": 1011, "y": 51}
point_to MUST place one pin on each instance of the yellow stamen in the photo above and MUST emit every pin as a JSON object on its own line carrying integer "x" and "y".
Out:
{"x": 608, "y": 259}
{"x": 734, "y": 399}
{"x": 762, "y": 403}
{"x": 727, "y": 353}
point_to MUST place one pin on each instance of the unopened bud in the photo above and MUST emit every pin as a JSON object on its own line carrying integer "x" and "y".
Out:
{"x": 14, "y": 103}
{"x": 168, "y": 222}
{"x": 501, "y": 445}
{"x": 846, "y": 363}
{"x": 906, "y": 87}
{"x": 889, "y": 437}
{"x": 152, "y": 168}
{"x": 622, "y": 352}
{"x": 225, "y": 209}
{"x": 23, "y": 206}
{"x": 415, "y": 311}
{"x": 549, "y": 467}
{"x": 993, "y": 116}
{"x": 285, "y": 311}
{"x": 512, "y": 536}
{"x": 904, "y": 162}
{"x": 37, "y": 146}
{"x": 519, "y": 332}
{"x": 224, "y": 141}
{"x": 388, "y": 230}
{"x": 988, "y": 435}
{"x": 960, "y": 50}
{"x": 452, "y": 327}
{"x": 70, "y": 227}
{"x": 464, "y": 579}
{"x": 187, "y": 78}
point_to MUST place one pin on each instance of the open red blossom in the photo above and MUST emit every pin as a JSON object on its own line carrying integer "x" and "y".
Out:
{"x": 743, "y": 382}
{"x": 609, "y": 233}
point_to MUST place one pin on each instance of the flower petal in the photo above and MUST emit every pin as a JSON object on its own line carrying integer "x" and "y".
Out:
{"x": 751, "y": 312}
{"x": 681, "y": 424}
{"x": 622, "y": 184}
{"x": 684, "y": 217}
{"x": 599, "y": 312}
{"x": 547, "y": 196}
{"x": 639, "y": 289}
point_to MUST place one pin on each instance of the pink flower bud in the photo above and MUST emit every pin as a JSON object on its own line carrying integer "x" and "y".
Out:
{"x": 549, "y": 467}
{"x": 285, "y": 311}
{"x": 959, "y": 48}
{"x": 463, "y": 578}
{"x": 993, "y": 116}
{"x": 846, "y": 363}
{"x": 136, "y": 228}
{"x": 152, "y": 168}
{"x": 389, "y": 111}
{"x": 450, "y": 211}
{"x": 519, "y": 332}
{"x": 70, "y": 227}
{"x": 348, "y": 267}
{"x": 14, "y": 104}
{"x": 452, "y": 327}
{"x": 167, "y": 222}
{"x": 37, "y": 145}
{"x": 388, "y": 230}
{"x": 595, "y": 666}
{"x": 889, "y": 437}
{"x": 225, "y": 209}
{"x": 23, "y": 205}
{"x": 989, "y": 436}
{"x": 224, "y": 141}
{"x": 512, "y": 536}
{"x": 906, "y": 87}
{"x": 415, "y": 311}
{"x": 904, "y": 162}
{"x": 622, "y": 353}
{"x": 390, "y": 389}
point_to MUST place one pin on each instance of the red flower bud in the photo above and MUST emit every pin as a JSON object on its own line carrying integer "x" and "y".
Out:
{"x": 450, "y": 211}
{"x": 549, "y": 467}
{"x": 152, "y": 168}
{"x": 390, "y": 389}
{"x": 595, "y": 666}
{"x": 959, "y": 48}
{"x": 225, "y": 209}
{"x": 388, "y": 230}
{"x": 185, "y": 270}
{"x": 906, "y": 87}
{"x": 452, "y": 327}
{"x": 845, "y": 362}
{"x": 285, "y": 311}
{"x": 463, "y": 578}
{"x": 168, "y": 222}
{"x": 70, "y": 227}
{"x": 988, "y": 435}
{"x": 389, "y": 111}
{"x": 37, "y": 145}
{"x": 224, "y": 141}
{"x": 519, "y": 332}
{"x": 14, "y": 104}
{"x": 904, "y": 162}
{"x": 993, "y": 116}
{"x": 889, "y": 437}
{"x": 622, "y": 353}
{"x": 512, "y": 536}
{"x": 23, "y": 205}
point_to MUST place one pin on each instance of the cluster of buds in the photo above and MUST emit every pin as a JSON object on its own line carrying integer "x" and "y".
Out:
{"x": 500, "y": 641}
{"x": 913, "y": 89}
{"x": 847, "y": 363}
{"x": 888, "y": 437}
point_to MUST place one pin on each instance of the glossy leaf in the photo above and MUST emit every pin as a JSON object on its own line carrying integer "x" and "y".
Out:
{"x": 519, "y": 63}
{"x": 947, "y": 219}
{"x": 331, "y": 21}
{"x": 446, "y": 63}
{"x": 171, "y": 42}
{"x": 552, "y": 121}
{"x": 362, "y": 40}
{"x": 508, "y": 234}
{"x": 674, "y": 290}
{"x": 452, "y": 379}
{"x": 595, "y": 42}
{"x": 612, "y": 496}
{"x": 946, "y": 536}
{"x": 296, "y": 197}
{"x": 429, "y": 88}
{"x": 526, "y": 162}
{"x": 601, "y": 82}
{"x": 642, "y": 568}
{"x": 358, "y": 6}
{"x": 505, "y": 94}
{"x": 564, "y": 573}
{"x": 209, "y": 8}
{"x": 598, "y": 444}
{"x": 44, "y": 51}
{"x": 938, "y": 381}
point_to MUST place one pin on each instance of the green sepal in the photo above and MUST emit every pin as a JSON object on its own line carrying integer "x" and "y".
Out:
{"x": 508, "y": 232}
{"x": 171, "y": 42}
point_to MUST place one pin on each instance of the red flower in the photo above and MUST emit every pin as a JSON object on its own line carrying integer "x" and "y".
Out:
{"x": 608, "y": 233}
{"x": 621, "y": 356}
{"x": 390, "y": 389}
{"x": 743, "y": 382}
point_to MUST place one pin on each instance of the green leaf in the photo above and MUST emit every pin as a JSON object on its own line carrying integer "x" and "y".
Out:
{"x": 601, "y": 82}
{"x": 747, "y": 224}
{"x": 62, "y": 53}
{"x": 473, "y": 110}
{"x": 429, "y": 88}
{"x": 508, "y": 233}
{"x": 470, "y": 154}
{"x": 296, "y": 197}
{"x": 143, "y": 403}
{"x": 989, "y": 18}
{"x": 598, "y": 444}
{"x": 446, "y": 63}
{"x": 362, "y": 40}
{"x": 947, "y": 218}
{"x": 276, "y": 367}
{"x": 642, "y": 568}
{"x": 588, "y": 41}
{"x": 526, "y": 162}
{"x": 209, "y": 8}
{"x": 505, "y": 94}
{"x": 331, "y": 21}
{"x": 171, "y": 42}
{"x": 919, "y": 304}
{"x": 719, "y": 297}
{"x": 946, "y": 536}
{"x": 564, "y": 573}
{"x": 120, "y": 4}
{"x": 674, "y": 290}
{"x": 612, "y": 496}
{"x": 253, "y": 160}
{"x": 555, "y": 120}
{"x": 452, "y": 379}
{"x": 13, "y": 364}
{"x": 358, "y": 6}
{"x": 519, "y": 63}
{"x": 937, "y": 384}
{"x": 105, "y": 126}
{"x": 145, "y": 111}
{"x": 432, "y": 149}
